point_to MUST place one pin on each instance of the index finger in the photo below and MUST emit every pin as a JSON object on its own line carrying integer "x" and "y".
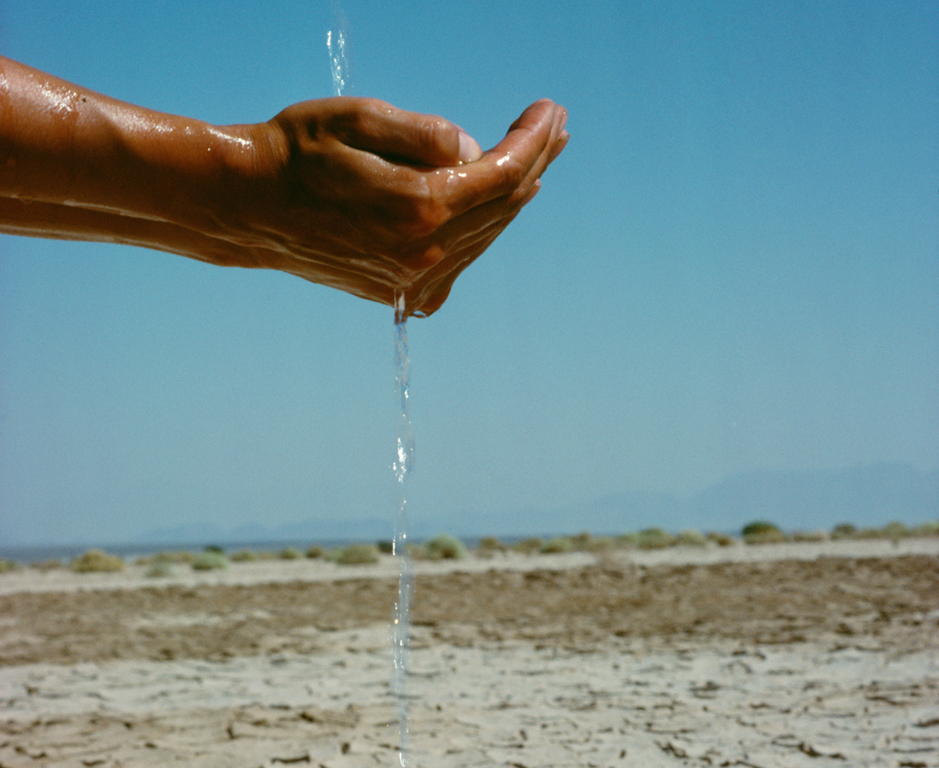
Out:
{"x": 382, "y": 129}
{"x": 511, "y": 168}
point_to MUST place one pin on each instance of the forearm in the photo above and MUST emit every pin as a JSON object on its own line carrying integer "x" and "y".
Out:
{"x": 82, "y": 154}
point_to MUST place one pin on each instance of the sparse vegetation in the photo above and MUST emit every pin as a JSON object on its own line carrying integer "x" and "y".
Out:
{"x": 159, "y": 568}
{"x": 896, "y": 531}
{"x": 210, "y": 560}
{"x": 96, "y": 561}
{"x": 243, "y": 556}
{"x": 445, "y": 547}
{"x": 178, "y": 557}
{"x": 527, "y": 546}
{"x": 627, "y": 540}
{"x": 810, "y": 536}
{"x": 690, "y": 539}
{"x": 314, "y": 552}
{"x": 489, "y": 546}
{"x": 8, "y": 566}
{"x": 843, "y": 531}
{"x": 600, "y": 544}
{"x": 926, "y": 529}
{"x": 355, "y": 554}
{"x": 762, "y": 532}
{"x": 655, "y": 538}
{"x": 557, "y": 545}
{"x": 386, "y": 547}
{"x": 290, "y": 553}
{"x": 583, "y": 541}
{"x": 721, "y": 539}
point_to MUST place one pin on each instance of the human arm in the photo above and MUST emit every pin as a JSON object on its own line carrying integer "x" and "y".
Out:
{"x": 351, "y": 193}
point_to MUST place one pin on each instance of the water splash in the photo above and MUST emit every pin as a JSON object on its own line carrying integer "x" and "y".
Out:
{"x": 403, "y": 466}
{"x": 336, "y": 45}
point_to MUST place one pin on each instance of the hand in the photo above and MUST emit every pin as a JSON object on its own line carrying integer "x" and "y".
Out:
{"x": 350, "y": 193}
{"x": 374, "y": 201}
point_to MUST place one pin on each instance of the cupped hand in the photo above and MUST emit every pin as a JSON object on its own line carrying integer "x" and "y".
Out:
{"x": 376, "y": 201}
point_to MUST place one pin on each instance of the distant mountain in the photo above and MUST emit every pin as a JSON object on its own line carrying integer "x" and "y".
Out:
{"x": 866, "y": 495}
{"x": 870, "y": 495}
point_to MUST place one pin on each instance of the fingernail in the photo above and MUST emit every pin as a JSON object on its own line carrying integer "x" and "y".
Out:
{"x": 469, "y": 149}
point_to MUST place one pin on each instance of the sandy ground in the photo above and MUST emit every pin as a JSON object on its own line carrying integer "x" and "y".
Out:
{"x": 796, "y": 655}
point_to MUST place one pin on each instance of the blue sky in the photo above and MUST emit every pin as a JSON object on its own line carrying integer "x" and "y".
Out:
{"x": 732, "y": 267}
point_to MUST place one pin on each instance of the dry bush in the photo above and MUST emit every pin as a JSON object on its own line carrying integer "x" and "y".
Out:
{"x": 556, "y": 545}
{"x": 356, "y": 554}
{"x": 690, "y": 539}
{"x": 762, "y": 532}
{"x": 527, "y": 546}
{"x": 489, "y": 545}
{"x": 655, "y": 538}
{"x": 96, "y": 561}
{"x": 445, "y": 547}
{"x": 210, "y": 560}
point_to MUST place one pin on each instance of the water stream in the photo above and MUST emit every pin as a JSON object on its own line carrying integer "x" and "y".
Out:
{"x": 403, "y": 466}
{"x": 336, "y": 45}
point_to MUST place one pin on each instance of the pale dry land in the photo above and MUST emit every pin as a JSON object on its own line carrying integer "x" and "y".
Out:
{"x": 774, "y": 655}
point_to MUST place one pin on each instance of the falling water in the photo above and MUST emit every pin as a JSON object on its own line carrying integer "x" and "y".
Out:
{"x": 337, "y": 46}
{"x": 338, "y": 54}
{"x": 403, "y": 466}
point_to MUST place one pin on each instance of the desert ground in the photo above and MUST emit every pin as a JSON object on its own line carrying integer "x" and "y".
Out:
{"x": 777, "y": 655}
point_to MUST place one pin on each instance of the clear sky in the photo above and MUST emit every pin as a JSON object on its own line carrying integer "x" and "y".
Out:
{"x": 733, "y": 266}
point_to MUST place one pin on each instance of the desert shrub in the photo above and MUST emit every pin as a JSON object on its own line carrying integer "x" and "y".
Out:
{"x": 527, "y": 546}
{"x": 762, "y": 532}
{"x": 655, "y": 538}
{"x": 159, "y": 568}
{"x": 599, "y": 544}
{"x": 721, "y": 539}
{"x": 690, "y": 539}
{"x": 445, "y": 547}
{"x": 290, "y": 553}
{"x": 627, "y": 540}
{"x": 583, "y": 541}
{"x": 386, "y": 547}
{"x": 314, "y": 552}
{"x": 210, "y": 561}
{"x": 926, "y": 529}
{"x": 843, "y": 531}
{"x": 896, "y": 530}
{"x": 169, "y": 556}
{"x": 243, "y": 556}
{"x": 556, "y": 545}
{"x": 8, "y": 566}
{"x": 489, "y": 545}
{"x": 96, "y": 561}
{"x": 356, "y": 554}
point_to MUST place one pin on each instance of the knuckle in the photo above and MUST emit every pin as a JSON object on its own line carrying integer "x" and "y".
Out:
{"x": 511, "y": 172}
{"x": 431, "y": 132}
{"x": 424, "y": 257}
{"x": 426, "y": 211}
